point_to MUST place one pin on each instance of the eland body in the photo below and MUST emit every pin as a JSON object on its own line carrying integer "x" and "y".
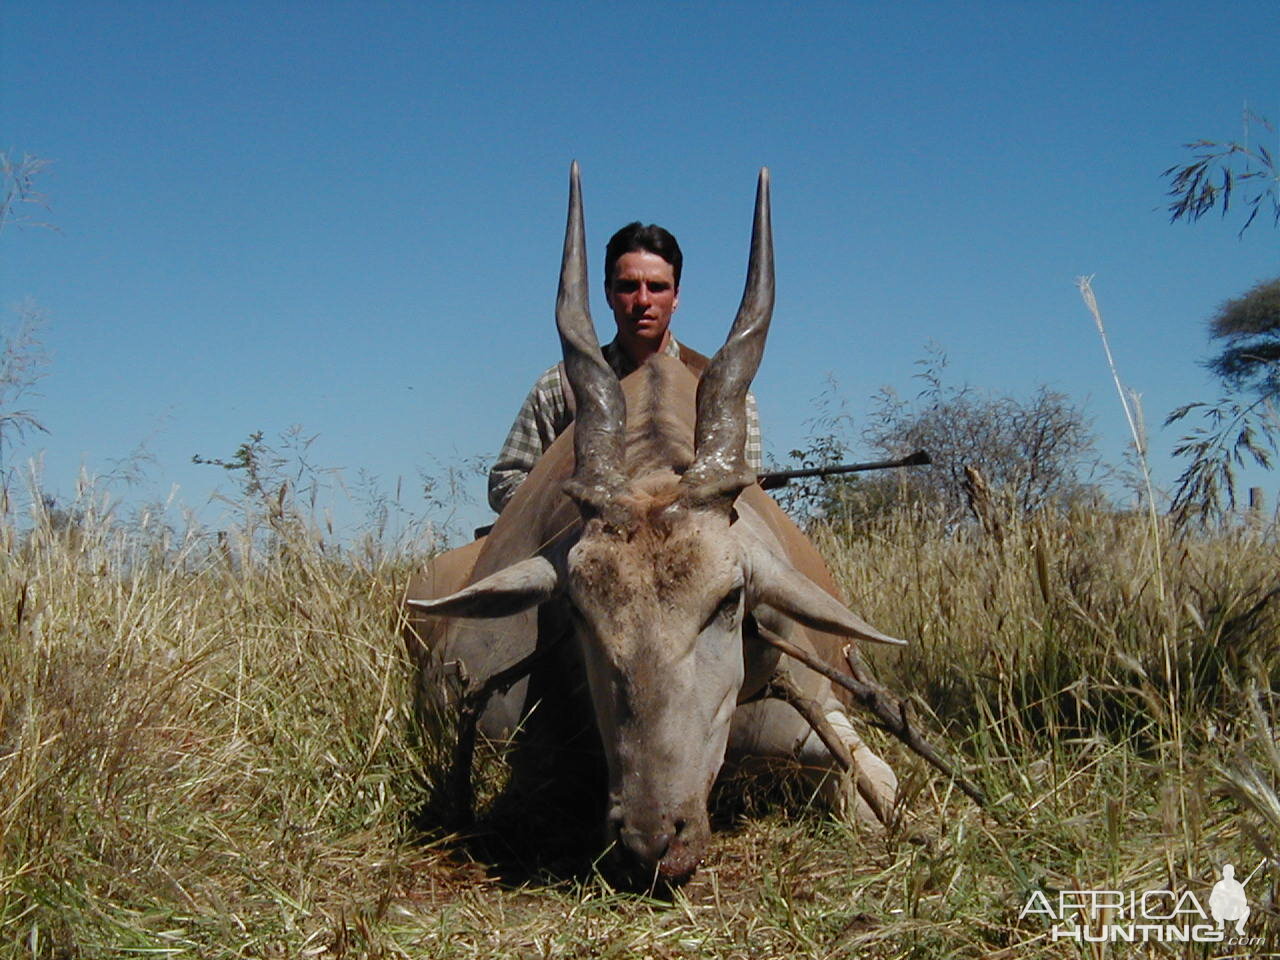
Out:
{"x": 641, "y": 548}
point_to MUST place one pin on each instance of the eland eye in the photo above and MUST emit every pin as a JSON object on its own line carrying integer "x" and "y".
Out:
{"x": 727, "y": 607}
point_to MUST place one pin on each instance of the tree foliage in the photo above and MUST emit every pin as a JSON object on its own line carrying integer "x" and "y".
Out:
{"x": 1233, "y": 432}
{"x": 827, "y": 444}
{"x": 1230, "y": 435}
{"x": 1220, "y": 171}
{"x": 18, "y": 189}
{"x": 1250, "y": 327}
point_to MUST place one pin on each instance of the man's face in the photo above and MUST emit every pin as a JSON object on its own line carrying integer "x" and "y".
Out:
{"x": 642, "y": 294}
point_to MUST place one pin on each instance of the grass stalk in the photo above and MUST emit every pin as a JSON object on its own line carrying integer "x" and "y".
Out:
{"x": 1131, "y": 403}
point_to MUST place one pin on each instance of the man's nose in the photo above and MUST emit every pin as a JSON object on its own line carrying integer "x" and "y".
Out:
{"x": 642, "y": 295}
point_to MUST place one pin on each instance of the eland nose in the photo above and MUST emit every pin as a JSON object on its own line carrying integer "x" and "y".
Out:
{"x": 649, "y": 841}
{"x": 649, "y": 848}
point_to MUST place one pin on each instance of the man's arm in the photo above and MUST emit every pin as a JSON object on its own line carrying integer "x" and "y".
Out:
{"x": 543, "y": 416}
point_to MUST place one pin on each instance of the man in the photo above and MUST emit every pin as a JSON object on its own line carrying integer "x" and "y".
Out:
{"x": 642, "y": 287}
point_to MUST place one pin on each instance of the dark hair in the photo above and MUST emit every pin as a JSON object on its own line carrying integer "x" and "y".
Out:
{"x": 636, "y": 236}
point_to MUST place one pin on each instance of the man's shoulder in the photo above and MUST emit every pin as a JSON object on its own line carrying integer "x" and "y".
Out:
{"x": 549, "y": 380}
{"x": 546, "y": 401}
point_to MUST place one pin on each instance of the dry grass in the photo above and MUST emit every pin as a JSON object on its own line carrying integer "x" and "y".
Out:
{"x": 208, "y": 750}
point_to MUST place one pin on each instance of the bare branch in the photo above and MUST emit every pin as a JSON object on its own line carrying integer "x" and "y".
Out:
{"x": 895, "y": 715}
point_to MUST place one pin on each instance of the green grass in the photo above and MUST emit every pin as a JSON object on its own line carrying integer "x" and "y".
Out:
{"x": 208, "y": 750}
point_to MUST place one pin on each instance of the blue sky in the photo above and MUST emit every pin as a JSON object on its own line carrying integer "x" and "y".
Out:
{"x": 348, "y": 216}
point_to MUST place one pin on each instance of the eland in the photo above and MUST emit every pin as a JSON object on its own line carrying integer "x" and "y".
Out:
{"x": 649, "y": 584}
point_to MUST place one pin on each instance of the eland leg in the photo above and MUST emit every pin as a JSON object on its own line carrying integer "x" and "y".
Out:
{"x": 775, "y": 729}
{"x": 868, "y": 783}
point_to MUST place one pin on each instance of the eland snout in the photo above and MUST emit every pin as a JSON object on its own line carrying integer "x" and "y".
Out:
{"x": 657, "y": 846}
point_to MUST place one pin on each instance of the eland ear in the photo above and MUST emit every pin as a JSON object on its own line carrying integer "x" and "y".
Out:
{"x": 511, "y": 590}
{"x": 775, "y": 582}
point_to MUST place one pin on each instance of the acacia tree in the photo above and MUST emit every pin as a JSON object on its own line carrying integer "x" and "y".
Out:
{"x": 1250, "y": 327}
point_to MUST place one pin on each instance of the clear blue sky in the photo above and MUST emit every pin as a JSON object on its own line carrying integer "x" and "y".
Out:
{"x": 348, "y": 216}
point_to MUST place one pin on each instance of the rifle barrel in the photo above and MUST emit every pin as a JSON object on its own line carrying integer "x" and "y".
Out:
{"x": 780, "y": 478}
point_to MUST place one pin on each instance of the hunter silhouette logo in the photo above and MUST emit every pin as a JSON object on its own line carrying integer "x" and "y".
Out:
{"x": 1227, "y": 901}
{"x": 1163, "y": 916}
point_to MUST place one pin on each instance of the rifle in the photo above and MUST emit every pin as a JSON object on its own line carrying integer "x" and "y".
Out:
{"x": 780, "y": 478}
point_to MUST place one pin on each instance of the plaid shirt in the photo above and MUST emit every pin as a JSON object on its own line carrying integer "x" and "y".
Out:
{"x": 544, "y": 416}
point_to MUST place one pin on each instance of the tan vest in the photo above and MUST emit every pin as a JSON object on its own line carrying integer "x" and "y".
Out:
{"x": 696, "y": 362}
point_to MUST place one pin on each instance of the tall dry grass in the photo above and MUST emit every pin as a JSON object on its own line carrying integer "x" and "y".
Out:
{"x": 202, "y": 737}
{"x": 1133, "y": 696}
{"x": 207, "y": 750}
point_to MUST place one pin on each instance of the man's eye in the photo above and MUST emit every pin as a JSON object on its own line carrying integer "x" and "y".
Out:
{"x": 627, "y": 286}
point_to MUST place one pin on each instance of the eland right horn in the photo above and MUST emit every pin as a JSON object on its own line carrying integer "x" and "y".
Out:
{"x": 719, "y": 469}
